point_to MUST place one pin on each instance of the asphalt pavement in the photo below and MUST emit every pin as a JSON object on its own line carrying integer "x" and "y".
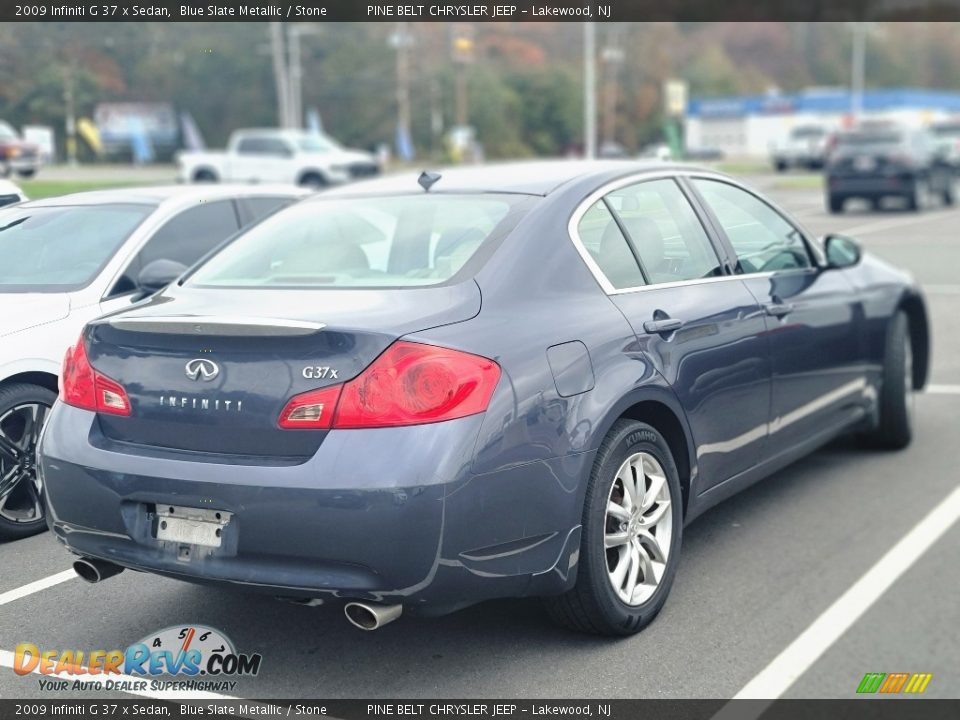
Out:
{"x": 756, "y": 573}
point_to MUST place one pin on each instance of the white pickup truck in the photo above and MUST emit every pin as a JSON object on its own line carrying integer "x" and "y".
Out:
{"x": 278, "y": 156}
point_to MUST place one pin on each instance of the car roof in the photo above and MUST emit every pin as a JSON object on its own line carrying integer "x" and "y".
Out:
{"x": 156, "y": 195}
{"x": 529, "y": 178}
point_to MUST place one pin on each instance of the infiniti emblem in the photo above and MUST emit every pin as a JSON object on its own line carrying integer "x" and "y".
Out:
{"x": 201, "y": 369}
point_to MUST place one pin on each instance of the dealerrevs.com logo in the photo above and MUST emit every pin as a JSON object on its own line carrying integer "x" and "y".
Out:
{"x": 201, "y": 657}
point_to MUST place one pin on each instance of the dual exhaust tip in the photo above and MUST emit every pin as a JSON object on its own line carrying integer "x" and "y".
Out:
{"x": 362, "y": 615}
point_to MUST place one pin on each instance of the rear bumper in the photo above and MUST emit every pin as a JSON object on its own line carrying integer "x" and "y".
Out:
{"x": 870, "y": 185}
{"x": 391, "y": 515}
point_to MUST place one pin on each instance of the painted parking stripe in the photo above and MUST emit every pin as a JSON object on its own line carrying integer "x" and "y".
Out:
{"x": 6, "y": 660}
{"x": 36, "y": 586}
{"x": 784, "y": 670}
{"x": 942, "y": 389}
{"x": 894, "y": 222}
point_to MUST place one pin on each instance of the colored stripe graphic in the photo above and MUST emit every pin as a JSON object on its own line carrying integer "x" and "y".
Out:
{"x": 871, "y": 682}
{"x": 893, "y": 683}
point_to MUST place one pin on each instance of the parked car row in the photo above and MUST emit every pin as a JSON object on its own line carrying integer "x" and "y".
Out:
{"x": 322, "y": 408}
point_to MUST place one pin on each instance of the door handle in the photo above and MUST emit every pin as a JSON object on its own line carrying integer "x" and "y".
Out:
{"x": 662, "y": 327}
{"x": 778, "y": 309}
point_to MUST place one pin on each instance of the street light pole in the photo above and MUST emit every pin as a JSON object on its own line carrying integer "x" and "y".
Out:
{"x": 589, "y": 91}
{"x": 280, "y": 75}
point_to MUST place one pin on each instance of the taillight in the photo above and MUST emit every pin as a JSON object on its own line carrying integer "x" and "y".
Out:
{"x": 311, "y": 410}
{"x": 83, "y": 387}
{"x": 409, "y": 384}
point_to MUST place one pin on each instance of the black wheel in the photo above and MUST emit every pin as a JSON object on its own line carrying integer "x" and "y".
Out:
{"x": 23, "y": 410}
{"x": 835, "y": 203}
{"x": 630, "y": 543}
{"x": 204, "y": 176}
{"x": 781, "y": 166}
{"x": 312, "y": 180}
{"x": 28, "y": 173}
{"x": 894, "y": 429}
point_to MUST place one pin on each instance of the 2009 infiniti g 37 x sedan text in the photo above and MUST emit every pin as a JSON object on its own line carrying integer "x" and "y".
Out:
{"x": 507, "y": 381}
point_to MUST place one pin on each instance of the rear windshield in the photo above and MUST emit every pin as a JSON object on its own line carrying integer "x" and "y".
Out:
{"x": 808, "y": 132}
{"x": 57, "y": 249}
{"x": 406, "y": 241}
{"x": 869, "y": 140}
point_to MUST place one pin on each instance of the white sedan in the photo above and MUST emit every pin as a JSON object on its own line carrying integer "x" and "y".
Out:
{"x": 70, "y": 259}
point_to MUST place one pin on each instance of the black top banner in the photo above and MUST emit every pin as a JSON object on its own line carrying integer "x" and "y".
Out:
{"x": 476, "y": 10}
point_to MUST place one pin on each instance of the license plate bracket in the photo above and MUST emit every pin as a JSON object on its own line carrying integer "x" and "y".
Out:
{"x": 191, "y": 526}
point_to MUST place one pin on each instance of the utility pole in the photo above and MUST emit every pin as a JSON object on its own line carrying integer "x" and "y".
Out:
{"x": 401, "y": 41}
{"x": 295, "y": 33}
{"x": 462, "y": 54}
{"x": 612, "y": 56}
{"x": 858, "y": 69}
{"x": 280, "y": 74}
{"x": 69, "y": 104}
{"x": 589, "y": 91}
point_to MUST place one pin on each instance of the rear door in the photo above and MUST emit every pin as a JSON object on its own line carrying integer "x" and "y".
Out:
{"x": 813, "y": 320}
{"x": 702, "y": 328}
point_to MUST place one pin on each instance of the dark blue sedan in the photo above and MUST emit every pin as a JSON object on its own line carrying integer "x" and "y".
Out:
{"x": 517, "y": 380}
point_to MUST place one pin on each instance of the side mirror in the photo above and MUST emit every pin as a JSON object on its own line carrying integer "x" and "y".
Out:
{"x": 841, "y": 251}
{"x": 156, "y": 275}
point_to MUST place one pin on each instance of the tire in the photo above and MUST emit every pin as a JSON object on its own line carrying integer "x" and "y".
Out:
{"x": 204, "y": 176}
{"x": 894, "y": 428}
{"x": 876, "y": 204}
{"x": 948, "y": 196}
{"x": 835, "y": 204}
{"x": 915, "y": 197}
{"x": 29, "y": 173}
{"x": 781, "y": 166}
{"x": 22, "y": 508}
{"x": 312, "y": 180}
{"x": 594, "y": 605}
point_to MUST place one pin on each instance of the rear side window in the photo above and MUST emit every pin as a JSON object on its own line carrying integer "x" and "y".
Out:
{"x": 193, "y": 233}
{"x": 665, "y": 232}
{"x": 602, "y": 238}
{"x": 652, "y": 221}
{"x": 762, "y": 238}
{"x": 411, "y": 240}
{"x": 258, "y": 207}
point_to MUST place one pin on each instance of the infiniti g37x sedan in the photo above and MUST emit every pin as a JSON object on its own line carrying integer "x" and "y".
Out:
{"x": 506, "y": 381}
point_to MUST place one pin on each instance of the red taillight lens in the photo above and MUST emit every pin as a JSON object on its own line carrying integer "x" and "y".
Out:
{"x": 83, "y": 387}
{"x": 311, "y": 410}
{"x": 409, "y": 384}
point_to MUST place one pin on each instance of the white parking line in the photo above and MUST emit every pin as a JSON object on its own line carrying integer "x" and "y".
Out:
{"x": 942, "y": 389}
{"x": 6, "y": 660}
{"x": 36, "y": 586}
{"x": 784, "y": 670}
{"x": 893, "y": 223}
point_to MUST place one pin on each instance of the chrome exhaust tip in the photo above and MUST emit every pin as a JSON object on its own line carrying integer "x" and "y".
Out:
{"x": 94, "y": 571}
{"x": 371, "y": 617}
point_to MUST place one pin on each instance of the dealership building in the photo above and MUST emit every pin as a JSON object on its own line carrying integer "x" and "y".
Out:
{"x": 746, "y": 126}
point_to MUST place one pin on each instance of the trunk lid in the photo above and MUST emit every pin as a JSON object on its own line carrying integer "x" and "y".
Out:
{"x": 210, "y": 371}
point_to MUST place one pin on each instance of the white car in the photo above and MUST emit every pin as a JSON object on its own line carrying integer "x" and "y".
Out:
{"x": 70, "y": 259}
{"x": 10, "y": 193}
{"x": 269, "y": 155}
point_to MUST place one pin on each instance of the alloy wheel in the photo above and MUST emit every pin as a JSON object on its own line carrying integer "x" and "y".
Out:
{"x": 20, "y": 486}
{"x": 638, "y": 528}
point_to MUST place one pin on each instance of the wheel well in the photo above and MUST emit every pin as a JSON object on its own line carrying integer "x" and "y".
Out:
{"x": 312, "y": 172}
{"x": 204, "y": 171}
{"x": 43, "y": 379}
{"x": 667, "y": 424}
{"x": 919, "y": 338}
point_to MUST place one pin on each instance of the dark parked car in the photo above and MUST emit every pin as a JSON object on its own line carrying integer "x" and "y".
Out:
{"x": 879, "y": 162}
{"x": 522, "y": 382}
{"x": 16, "y": 155}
